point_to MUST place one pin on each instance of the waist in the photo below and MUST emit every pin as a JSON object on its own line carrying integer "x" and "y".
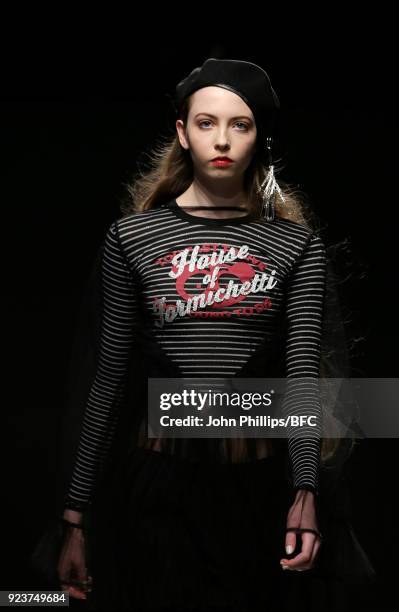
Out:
{"x": 227, "y": 452}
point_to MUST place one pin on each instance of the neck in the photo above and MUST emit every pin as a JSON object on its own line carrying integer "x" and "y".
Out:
{"x": 198, "y": 195}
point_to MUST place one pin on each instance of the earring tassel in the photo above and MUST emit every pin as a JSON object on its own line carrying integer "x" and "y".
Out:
{"x": 268, "y": 189}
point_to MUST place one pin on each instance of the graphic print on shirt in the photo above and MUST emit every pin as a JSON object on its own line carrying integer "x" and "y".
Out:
{"x": 135, "y": 266}
{"x": 212, "y": 280}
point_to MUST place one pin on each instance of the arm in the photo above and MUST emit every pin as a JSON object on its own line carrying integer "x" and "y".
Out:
{"x": 119, "y": 308}
{"x": 305, "y": 298}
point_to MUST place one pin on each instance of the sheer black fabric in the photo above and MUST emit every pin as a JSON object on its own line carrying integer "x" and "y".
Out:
{"x": 175, "y": 533}
{"x": 182, "y": 528}
{"x": 148, "y": 359}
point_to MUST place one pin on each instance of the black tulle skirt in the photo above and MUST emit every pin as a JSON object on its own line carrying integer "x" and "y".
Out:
{"x": 179, "y": 535}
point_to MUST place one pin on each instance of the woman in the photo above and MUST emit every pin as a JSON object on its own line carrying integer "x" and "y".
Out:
{"x": 213, "y": 272}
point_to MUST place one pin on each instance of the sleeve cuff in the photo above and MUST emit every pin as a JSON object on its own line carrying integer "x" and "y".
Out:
{"x": 75, "y": 505}
{"x": 307, "y": 487}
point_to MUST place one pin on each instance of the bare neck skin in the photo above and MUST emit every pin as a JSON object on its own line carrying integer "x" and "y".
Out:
{"x": 197, "y": 196}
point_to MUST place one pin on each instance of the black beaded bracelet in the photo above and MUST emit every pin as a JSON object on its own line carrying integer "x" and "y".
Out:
{"x": 305, "y": 529}
{"x": 78, "y": 525}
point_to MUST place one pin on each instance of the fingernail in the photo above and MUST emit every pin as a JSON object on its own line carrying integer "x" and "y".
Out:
{"x": 284, "y": 566}
{"x": 288, "y": 549}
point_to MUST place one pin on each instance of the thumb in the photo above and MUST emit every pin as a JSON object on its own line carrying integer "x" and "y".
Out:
{"x": 290, "y": 542}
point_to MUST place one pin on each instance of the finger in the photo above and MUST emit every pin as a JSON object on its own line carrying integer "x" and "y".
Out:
{"x": 290, "y": 542}
{"x": 82, "y": 579}
{"x": 316, "y": 548}
{"x": 303, "y": 557}
{"x": 76, "y": 582}
{"x": 89, "y": 584}
{"x": 76, "y": 593}
{"x": 75, "y": 588}
{"x": 307, "y": 543}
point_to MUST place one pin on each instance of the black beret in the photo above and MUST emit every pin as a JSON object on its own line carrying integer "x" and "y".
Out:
{"x": 246, "y": 79}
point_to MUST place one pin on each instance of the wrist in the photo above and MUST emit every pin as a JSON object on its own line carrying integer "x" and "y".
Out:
{"x": 302, "y": 492}
{"x": 78, "y": 528}
{"x": 73, "y": 516}
{"x": 306, "y": 488}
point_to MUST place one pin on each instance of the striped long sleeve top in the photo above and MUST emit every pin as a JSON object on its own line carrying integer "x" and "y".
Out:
{"x": 213, "y": 290}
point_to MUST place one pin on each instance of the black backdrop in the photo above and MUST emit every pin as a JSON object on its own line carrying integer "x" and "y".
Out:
{"x": 74, "y": 123}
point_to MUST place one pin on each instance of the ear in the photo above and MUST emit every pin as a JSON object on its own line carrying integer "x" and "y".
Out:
{"x": 181, "y": 132}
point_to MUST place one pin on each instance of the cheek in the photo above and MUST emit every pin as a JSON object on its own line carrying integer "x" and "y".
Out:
{"x": 200, "y": 145}
{"x": 247, "y": 151}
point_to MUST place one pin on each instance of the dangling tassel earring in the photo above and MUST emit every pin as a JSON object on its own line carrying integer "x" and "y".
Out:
{"x": 269, "y": 187}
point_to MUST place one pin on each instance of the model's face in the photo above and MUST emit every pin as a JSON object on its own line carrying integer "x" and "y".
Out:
{"x": 219, "y": 123}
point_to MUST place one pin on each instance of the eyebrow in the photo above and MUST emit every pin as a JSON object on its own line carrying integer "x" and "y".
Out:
{"x": 214, "y": 117}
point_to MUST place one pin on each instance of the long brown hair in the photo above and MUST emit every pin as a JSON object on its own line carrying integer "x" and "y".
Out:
{"x": 171, "y": 173}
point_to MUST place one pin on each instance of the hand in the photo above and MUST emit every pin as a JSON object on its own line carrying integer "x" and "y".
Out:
{"x": 72, "y": 569}
{"x": 302, "y": 515}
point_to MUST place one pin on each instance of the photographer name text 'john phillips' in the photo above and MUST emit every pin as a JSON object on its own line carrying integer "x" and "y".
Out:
{"x": 257, "y": 421}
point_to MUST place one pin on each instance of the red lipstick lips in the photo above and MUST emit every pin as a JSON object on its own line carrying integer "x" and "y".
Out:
{"x": 221, "y": 161}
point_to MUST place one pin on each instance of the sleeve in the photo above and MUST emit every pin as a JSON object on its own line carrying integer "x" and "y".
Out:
{"x": 304, "y": 311}
{"x": 118, "y": 318}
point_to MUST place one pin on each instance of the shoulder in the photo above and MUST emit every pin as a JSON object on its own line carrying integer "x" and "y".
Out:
{"x": 316, "y": 244}
{"x": 293, "y": 237}
{"x": 140, "y": 217}
{"x": 298, "y": 232}
{"x": 309, "y": 237}
{"x": 136, "y": 222}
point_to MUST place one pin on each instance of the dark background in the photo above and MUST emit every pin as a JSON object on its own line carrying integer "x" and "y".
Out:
{"x": 77, "y": 114}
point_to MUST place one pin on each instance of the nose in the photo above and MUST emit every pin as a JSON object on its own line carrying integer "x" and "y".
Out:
{"x": 222, "y": 141}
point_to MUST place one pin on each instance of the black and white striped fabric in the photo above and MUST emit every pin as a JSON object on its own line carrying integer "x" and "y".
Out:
{"x": 213, "y": 290}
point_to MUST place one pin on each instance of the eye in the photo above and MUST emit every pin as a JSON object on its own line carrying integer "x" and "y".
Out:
{"x": 237, "y": 123}
{"x": 242, "y": 123}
